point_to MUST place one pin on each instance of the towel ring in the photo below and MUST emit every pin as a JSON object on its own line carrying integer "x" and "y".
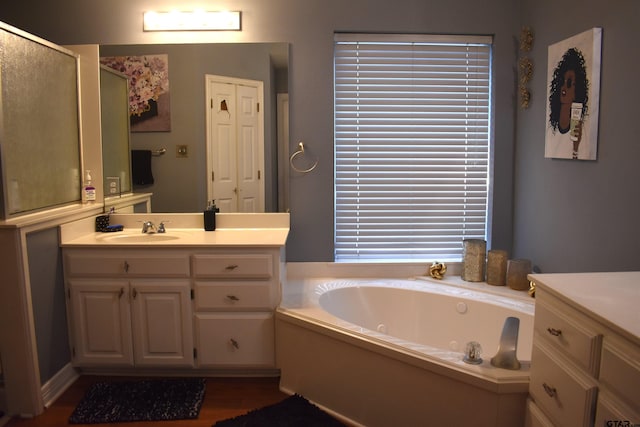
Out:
{"x": 297, "y": 153}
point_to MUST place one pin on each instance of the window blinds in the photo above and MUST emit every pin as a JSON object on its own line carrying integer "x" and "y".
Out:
{"x": 412, "y": 132}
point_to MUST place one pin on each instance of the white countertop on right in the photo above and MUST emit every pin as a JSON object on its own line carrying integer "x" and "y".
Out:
{"x": 613, "y": 297}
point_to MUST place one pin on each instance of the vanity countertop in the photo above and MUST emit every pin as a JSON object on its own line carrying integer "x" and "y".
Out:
{"x": 613, "y": 297}
{"x": 182, "y": 230}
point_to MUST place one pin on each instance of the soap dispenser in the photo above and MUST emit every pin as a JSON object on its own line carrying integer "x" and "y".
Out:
{"x": 88, "y": 190}
{"x": 210, "y": 216}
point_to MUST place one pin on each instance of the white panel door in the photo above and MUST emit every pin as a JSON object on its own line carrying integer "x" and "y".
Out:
{"x": 223, "y": 153}
{"x": 249, "y": 147}
{"x": 235, "y": 144}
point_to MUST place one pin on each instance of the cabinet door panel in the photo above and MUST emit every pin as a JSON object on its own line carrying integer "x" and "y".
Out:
{"x": 162, "y": 323}
{"x": 620, "y": 370}
{"x": 235, "y": 339}
{"x": 101, "y": 323}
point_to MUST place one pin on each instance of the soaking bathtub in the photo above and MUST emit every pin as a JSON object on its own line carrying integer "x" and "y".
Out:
{"x": 389, "y": 352}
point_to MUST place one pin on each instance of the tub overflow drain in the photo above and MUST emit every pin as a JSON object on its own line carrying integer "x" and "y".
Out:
{"x": 461, "y": 307}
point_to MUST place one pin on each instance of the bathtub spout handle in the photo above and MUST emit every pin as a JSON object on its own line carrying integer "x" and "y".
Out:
{"x": 506, "y": 356}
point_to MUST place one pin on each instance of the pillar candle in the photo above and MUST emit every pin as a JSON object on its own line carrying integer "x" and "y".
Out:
{"x": 497, "y": 267}
{"x": 517, "y": 270}
{"x": 474, "y": 260}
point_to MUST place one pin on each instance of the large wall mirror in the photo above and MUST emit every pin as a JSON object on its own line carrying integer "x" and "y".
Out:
{"x": 116, "y": 148}
{"x": 178, "y": 147}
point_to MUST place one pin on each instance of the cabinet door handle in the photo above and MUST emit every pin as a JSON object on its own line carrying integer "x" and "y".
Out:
{"x": 126, "y": 267}
{"x": 121, "y": 293}
{"x": 233, "y": 298}
{"x": 135, "y": 293}
{"x": 234, "y": 343}
{"x": 551, "y": 391}
{"x": 231, "y": 267}
{"x": 555, "y": 332}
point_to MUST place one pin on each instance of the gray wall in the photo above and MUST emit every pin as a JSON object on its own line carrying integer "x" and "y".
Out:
{"x": 48, "y": 300}
{"x": 309, "y": 27}
{"x": 582, "y": 215}
{"x": 564, "y": 216}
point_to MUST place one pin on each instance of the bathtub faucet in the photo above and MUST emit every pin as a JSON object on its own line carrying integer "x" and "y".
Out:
{"x": 506, "y": 356}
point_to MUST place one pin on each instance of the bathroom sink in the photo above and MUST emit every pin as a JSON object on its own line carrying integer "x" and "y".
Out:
{"x": 138, "y": 237}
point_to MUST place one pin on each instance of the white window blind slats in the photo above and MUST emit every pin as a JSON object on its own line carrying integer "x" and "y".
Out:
{"x": 412, "y": 125}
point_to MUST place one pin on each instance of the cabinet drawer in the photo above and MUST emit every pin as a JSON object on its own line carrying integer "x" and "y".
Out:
{"x": 577, "y": 341}
{"x": 535, "y": 417}
{"x": 233, "y": 266}
{"x": 235, "y": 296}
{"x": 564, "y": 394}
{"x": 152, "y": 264}
{"x": 235, "y": 339}
{"x": 620, "y": 370}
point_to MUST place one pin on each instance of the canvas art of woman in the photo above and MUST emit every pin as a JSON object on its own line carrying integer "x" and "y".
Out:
{"x": 571, "y": 126}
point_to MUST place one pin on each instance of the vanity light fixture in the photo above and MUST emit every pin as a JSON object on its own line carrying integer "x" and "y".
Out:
{"x": 197, "y": 20}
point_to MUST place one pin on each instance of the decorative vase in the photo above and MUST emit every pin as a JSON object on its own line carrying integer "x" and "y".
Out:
{"x": 473, "y": 260}
{"x": 497, "y": 267}
{"x": 517, "y": 271}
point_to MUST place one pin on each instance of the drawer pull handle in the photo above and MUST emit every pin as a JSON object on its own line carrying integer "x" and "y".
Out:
{"x": 231, "y": 267}
{"x": 126, "y": 267}
{"x": 135, "y": 293}
{"x": 233, "y": 298}
{"x": 555, "y": 332}
{"x": 551, "y": 391}
{"x": 234, "y": 343}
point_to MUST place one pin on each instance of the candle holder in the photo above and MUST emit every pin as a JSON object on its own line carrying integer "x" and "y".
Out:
{"x": 517, "y": 271}
{"x": 497, "y": 267}
{"x": 473, "y": 260}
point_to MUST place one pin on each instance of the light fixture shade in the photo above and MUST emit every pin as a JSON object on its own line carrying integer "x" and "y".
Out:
{"x": 197, "y": 20}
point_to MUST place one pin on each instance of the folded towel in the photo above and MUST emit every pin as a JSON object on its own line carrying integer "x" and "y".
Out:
{"x": 141, "y": 167}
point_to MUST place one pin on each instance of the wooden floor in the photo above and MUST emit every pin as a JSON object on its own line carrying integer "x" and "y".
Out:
{"x": 224, "y": 398}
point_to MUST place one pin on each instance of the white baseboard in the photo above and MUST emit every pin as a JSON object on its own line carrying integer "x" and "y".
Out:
{"x": 53, "y": 388}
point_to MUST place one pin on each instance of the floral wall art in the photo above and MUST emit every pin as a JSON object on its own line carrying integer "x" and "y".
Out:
{"x": 573, "y": 97}
{"x": 149, "y": 106}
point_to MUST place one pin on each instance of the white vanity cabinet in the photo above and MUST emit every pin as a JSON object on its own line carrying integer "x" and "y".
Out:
{"x": 236, "y": 293}
{"x": 187, "y": 299}
{"x": 129, "y": 307}
{"x": 585, "y": 366}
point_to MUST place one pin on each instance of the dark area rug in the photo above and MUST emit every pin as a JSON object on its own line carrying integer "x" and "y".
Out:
{"x": 294, "y": 411}
{"x": 141, "y": 400}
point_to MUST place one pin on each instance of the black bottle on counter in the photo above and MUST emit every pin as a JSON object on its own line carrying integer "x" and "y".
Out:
{"x": 210, "y": 217}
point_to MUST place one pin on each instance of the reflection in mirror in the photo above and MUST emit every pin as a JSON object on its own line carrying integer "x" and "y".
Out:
{"x": 116, "y": 151}
{"x": 180, "y": 176}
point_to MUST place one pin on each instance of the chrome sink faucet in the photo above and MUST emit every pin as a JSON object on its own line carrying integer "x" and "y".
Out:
{"x": 148, "y": 227}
